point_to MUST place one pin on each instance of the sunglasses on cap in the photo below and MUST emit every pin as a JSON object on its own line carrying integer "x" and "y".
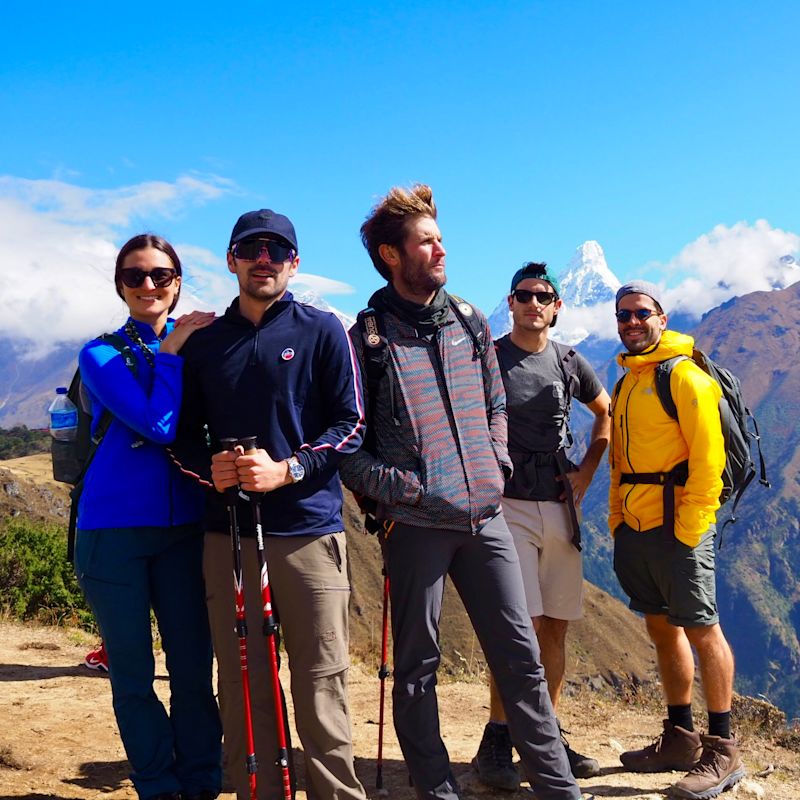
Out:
{"x": 133, "y": 277}
{"x": 253, "y": 249}
{"x": 525, "y": 296}
{"x": 641, "y": 314}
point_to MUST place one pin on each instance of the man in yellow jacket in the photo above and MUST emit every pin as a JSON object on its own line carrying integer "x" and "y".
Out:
{"x": 665, "y": 488}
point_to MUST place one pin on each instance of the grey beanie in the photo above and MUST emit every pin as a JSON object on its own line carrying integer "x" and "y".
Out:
{"x": 640, "y": 287}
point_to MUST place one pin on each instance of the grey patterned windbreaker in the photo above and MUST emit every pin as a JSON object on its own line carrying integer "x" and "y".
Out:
{"x": 440, "y": 459}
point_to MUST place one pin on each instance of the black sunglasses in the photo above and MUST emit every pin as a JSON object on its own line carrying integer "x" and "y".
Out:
{"x": 253, "y": 249}
{"x": 133, "y": 277}
{"x": 525, "y": 296}
{"x": 641, "y": 314}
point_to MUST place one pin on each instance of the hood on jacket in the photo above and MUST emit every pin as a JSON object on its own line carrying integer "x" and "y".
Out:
{"x": 671, "y": 344}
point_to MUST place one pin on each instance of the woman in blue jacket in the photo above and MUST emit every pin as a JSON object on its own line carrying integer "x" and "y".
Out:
{"x": 139, "y": 540}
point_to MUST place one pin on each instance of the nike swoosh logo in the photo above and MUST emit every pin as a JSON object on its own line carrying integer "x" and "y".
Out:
{"x": 456, "y": 342}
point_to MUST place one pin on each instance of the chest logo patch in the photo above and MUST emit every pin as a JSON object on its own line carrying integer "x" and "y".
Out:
{"x": 287, "y": 354}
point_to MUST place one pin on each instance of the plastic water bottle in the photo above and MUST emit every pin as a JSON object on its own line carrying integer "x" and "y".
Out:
{"x": 63, "y": 417}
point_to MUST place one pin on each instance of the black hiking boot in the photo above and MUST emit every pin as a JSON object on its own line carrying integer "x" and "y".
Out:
{"x": 581, "y": 766}
{"x": 494, "y": 762}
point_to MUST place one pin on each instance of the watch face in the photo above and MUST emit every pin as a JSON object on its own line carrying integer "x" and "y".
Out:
{"x": 296, "y": 470}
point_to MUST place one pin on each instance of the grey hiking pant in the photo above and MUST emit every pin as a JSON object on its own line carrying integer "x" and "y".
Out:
{"x": 485, "y": 571}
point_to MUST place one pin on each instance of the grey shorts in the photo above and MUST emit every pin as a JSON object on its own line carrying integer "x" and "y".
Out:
{"x": 669, "y": 578}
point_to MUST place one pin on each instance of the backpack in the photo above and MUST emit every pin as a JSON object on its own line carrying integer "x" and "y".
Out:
{"x": 71, "y": 459}
{"x": 740, "y": 469}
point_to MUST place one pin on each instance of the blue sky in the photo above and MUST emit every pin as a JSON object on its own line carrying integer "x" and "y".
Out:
{"x": 540, "y": 125}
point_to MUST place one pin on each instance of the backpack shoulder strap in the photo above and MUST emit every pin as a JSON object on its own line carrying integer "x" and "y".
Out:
{"x": 569, "y": 367}
{"x": 662, "y": 380}
{"x": 122, "y": 346}
{"x": 103, "y": 424}
{"x": 372, "y": 327}
{"x": 465, "y": 313}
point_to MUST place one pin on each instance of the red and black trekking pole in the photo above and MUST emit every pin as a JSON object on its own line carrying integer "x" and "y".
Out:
{"x": 383, "y": 670}
{"x": 250, "y": 445}
{"x": 241, "y": 624}
{"x": 383, "y": 674}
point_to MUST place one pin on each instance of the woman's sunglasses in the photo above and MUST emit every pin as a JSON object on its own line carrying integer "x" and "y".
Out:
{"x": 133, "y": 277}
{"x": 542, "y": 298}
{"x": 641, "y": 314}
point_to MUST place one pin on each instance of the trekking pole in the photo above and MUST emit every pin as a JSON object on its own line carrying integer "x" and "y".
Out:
{"x": 383, "y": 674}
{"x": 249, "y": 444}
{"x": 383, "y": 670}
{"x": 241, "y": 624}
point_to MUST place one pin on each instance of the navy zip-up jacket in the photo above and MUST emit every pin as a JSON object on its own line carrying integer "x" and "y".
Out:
{"x": 291, "y": 381}
{"x": 131, "y": 481}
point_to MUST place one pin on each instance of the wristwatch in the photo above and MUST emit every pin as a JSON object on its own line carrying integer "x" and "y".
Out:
{"x": 296, "y": 470}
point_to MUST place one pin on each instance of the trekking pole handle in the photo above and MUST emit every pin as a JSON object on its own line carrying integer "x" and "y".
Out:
{"x": 229, "y": 443}
{"x": 249, "y": 444}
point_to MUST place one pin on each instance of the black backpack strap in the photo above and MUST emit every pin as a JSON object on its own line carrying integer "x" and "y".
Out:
{"x": 104, "y": 423}
{"x": 677, "y": 476}
{"x": 563, "y": 467}
{"x": 569, "y": 374}
{"x": 372, "y": 327}
{"x": 465, "y": 314}
{"x": 663, "y": 375}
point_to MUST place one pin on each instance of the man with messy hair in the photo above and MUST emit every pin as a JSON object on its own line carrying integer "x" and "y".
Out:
{"x": 434, "y": 464}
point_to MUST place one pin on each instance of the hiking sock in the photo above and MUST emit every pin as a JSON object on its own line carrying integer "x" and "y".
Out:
{"x": 681, "y": 716}
{"x": 719, "y": 724}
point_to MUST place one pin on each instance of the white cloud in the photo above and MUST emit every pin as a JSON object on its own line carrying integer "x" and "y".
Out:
{"x": 58, "y": 243}
{"x": 320, "y": 284}
{"x": 728, "y": 262}
{"x": 582, "y": 321}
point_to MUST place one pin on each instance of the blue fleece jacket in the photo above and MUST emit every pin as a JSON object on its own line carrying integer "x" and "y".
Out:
{"x": 292, "y": 382}
{"x": 131, "y": 481}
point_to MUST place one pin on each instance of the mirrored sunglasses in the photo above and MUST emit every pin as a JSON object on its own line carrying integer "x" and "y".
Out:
{"x": 525, "y": 296}
{"x": 641, "y": 314}
{"x": 253, "y": 249}
{"x": 133, "y": 277}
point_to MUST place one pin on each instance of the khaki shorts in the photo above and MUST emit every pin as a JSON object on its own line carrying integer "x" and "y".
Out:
{"x": 552, "y": 568}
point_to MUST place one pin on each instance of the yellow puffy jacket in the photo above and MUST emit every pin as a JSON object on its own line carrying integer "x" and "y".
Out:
{"x": 646, "y": 439}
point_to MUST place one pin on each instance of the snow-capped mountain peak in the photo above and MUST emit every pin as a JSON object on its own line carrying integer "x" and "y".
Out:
{"x": 303, "y": 294}
{"x": 587, "y": 279}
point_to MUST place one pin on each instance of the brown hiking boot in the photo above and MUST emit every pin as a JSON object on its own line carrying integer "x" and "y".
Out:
{"x": 719, "y": 768}
{"x": 675, "y": 748}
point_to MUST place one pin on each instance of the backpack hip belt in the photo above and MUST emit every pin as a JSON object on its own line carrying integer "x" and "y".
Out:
{"x": 677, "y": 476}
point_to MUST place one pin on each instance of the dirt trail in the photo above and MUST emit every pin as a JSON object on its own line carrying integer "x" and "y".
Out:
{"x": 58, "y": 738}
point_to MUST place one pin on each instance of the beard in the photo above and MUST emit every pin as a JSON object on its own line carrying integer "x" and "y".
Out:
{"x": 420, "y": 279}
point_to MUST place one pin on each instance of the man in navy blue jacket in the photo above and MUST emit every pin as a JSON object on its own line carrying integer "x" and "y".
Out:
{"x": 284, "y": 372}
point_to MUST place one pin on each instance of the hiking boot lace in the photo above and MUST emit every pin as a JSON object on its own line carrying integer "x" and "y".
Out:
{"x": 708, "y": 763}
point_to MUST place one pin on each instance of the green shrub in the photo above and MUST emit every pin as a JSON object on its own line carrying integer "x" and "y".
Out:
{"x": 36, "y": 580}
{"x": 22, "y": 441}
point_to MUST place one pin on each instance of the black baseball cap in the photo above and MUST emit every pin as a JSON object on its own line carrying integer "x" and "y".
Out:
{"x": 265, "y": 221}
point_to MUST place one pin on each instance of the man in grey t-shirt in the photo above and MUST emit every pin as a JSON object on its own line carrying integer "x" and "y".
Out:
{"x": 541, "y": 500}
